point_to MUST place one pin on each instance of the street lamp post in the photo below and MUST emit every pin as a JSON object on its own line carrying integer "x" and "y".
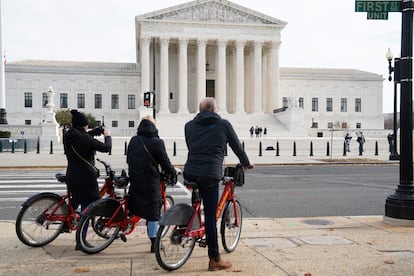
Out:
{"x": 400, "y": 205}
{"x": 394, "y": 153}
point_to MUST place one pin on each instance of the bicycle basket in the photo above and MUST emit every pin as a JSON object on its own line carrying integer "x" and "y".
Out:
{"x": 237, "y": 173}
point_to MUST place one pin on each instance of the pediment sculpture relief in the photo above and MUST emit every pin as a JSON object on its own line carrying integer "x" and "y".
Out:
{"x": 214, "y": 12}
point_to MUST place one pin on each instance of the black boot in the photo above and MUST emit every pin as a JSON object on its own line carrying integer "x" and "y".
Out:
{"x": 152, "y": 245}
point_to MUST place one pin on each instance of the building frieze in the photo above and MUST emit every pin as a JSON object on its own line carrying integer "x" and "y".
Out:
{"x": 212, "y": 11}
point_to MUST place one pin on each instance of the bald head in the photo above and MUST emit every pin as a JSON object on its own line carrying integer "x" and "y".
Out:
{"x": 208, "y": 104}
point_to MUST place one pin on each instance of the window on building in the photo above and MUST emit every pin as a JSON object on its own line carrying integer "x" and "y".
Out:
{"x": 358, "y": 125}
{"x": 63, "y": 100}
{"x": 329, "y": 104}
{"x": 28, "y": 99}
{"x": 115, "y": 101}
{"x": 98, "y": 122}
{"x": 131, "y": 101}
{"x": 358, "y": 106}
{"x": 344, "y": 125}
{"x": 315, "y": 104}
{"x": 330, "y": 125}
{"x": 114, "y": 123}
{"x": 344, "y": 105}
{"x": 284, "y": 102}
{"x": 98, "y": 101}
{"x": 81, "y": 100}
{"x": 28, "y": 122}
{"x": 301, "y": 103}
{"x": 131, "y": 124}
{"x": 44, "y": 99}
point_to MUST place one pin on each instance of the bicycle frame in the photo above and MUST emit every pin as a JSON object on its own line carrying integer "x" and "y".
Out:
{"x": 71, "y": 217}
{"x": 126, "y": 221}
{"x": 67, "y": 219}
{"x": 226, "y": 195}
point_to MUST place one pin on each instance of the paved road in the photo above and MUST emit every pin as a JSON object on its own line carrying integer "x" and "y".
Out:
{"x": 279, "y": 191}
{"x": 322, "y": 190}
{"x": 18, "y": 185}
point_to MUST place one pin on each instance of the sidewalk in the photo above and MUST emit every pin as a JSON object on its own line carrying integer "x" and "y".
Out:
{"x": 286, "y": 246}
{"x": 117, "y": 159}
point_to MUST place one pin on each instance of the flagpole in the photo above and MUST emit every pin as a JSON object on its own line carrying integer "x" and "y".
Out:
{"x": 3, "y": 119}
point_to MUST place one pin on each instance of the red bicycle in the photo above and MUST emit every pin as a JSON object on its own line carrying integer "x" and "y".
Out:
{"x": 182, "y": 226}
{"x": 44, "y": 216}
{"x": 107, "y": 219}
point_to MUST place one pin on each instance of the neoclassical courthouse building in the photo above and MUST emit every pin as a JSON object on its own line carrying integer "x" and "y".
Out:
{"x": 186, "y": 52}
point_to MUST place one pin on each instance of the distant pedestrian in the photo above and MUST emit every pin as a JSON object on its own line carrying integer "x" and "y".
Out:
{"x": 251, "y": 132}
{"x": 390, "y": 138}
{"x": 256, "y": 131}
{"x": 265, "y": 131}
{"x": 348, "y": 142}
{"x": 361, "y": 141}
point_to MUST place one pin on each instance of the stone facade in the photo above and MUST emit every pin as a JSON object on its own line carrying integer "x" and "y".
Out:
{"x": 205, "y": 47}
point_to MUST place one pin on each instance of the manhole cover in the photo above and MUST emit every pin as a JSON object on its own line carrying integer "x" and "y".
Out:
{"x": 317, "y": 222}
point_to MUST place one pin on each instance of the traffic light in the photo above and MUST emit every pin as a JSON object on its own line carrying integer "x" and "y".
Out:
{"x": 147, "y": 99}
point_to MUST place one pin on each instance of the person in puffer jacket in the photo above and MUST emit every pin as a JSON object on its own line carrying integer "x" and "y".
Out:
{"x": 206, "y": 137}
{"x": 145, "y": 152}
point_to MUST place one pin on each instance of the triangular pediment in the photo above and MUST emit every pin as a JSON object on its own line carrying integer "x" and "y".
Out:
{"x": 211, "y": 11}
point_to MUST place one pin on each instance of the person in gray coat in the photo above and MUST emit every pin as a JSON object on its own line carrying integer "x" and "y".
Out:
{"x": 207, "y": 136}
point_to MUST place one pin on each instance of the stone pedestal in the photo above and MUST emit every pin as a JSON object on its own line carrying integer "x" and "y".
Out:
{"x": 292, "y": 118}
{"x": 50, "y": 127}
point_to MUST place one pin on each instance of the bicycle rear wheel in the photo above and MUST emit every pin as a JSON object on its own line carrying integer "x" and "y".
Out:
{"x": 93, "y": 235}
{"x": 172, "y": 248}
{"x": 32, "y": 225}
{"x": 231, "y": 225}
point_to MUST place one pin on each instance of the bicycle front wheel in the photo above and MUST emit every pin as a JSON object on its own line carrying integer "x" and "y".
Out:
{"x": 231, "y": 225}
{"x": 36, "y": 224}
{"x": 172, "y": 248}
{"x": 93, "y": 235}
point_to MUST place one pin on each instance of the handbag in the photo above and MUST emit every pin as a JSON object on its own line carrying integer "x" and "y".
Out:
{"x": 90, "y": 165}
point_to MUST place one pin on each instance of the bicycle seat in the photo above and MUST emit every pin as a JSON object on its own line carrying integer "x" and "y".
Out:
{"x": 190, "y": 184}
{"x": 61, "y": 177}
{"x": 121, "y": 181}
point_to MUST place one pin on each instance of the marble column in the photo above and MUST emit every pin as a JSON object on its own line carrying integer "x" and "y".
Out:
{"x": 257, "y": 78}
{"x": 240, "y": 94}
{"x": 182, "y": 79}
{"x": 145, "y": 64}
{"x": 221, "y": 76}
{"x": 272, "y": 77}
{"x": 274, "y": 68}
{"x": 164, "y": 78}
{"x": 201, "y": 70}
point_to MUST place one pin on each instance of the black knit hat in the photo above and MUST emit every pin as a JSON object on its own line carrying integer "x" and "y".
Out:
{"x": 78, "y": 119}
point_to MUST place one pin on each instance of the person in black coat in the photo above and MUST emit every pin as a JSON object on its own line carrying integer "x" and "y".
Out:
{"x": 207, "y": 136}
{"x": 80, "y": 147}
{"x": 145, "y": 152}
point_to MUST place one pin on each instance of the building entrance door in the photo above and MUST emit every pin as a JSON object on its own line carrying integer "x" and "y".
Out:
{"x": 210, "y": 88}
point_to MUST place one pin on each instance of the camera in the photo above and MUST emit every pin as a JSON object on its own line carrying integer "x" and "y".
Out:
{"x": 97, "y": 131}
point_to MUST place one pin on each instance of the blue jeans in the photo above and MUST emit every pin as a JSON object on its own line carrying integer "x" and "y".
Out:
{"x": 209, "y": 194}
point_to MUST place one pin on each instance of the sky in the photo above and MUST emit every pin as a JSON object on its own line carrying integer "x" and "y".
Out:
{"x": 319, "y": 33}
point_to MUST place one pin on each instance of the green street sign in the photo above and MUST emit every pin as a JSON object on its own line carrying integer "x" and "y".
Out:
{"x": 378, "y": 6}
